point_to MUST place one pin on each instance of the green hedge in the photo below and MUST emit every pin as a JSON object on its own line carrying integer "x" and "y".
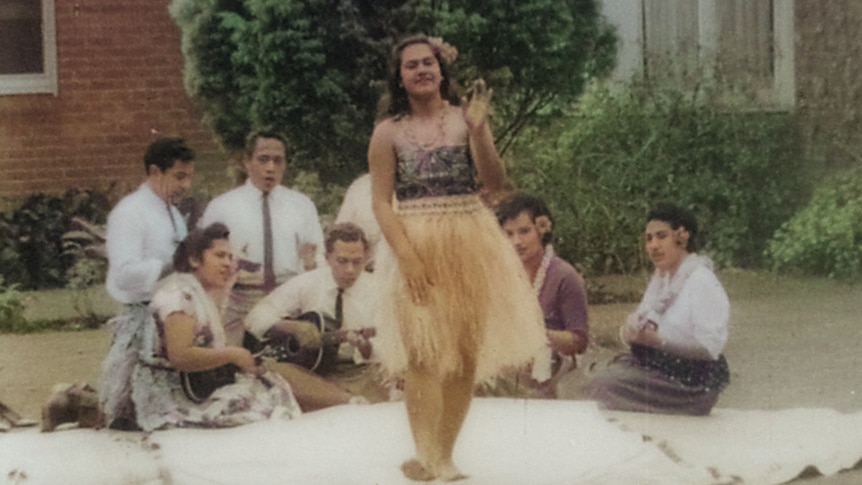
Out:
{"x": 32, "y": 255}
{"x": 825, "y": 237}
{"x": 622, "y": 149}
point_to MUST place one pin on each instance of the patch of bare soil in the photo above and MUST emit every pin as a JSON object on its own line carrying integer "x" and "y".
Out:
{"x": 793, "y": 343}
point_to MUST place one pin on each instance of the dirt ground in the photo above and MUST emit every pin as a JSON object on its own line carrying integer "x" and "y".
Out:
{"x": 793, "y": 343}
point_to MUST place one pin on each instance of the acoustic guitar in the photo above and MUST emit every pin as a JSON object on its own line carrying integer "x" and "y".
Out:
{"x": 319, "y": 358}
{"x": 198, "y": 386}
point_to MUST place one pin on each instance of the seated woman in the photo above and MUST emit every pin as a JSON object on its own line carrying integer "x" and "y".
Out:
{"x": 677, "y": 333}
{"x": 186, "y": 335}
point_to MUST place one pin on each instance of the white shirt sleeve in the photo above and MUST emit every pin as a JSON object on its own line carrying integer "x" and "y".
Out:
{"x": 139, "y": 246}
{"x": 710, "y": 312}
{"x": 312, "y": 233}
{"x": 284, "y": 301}
{"x": 698, "y": 318}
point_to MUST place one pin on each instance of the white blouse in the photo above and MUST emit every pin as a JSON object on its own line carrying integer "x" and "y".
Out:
{"x": 691, "y": 309}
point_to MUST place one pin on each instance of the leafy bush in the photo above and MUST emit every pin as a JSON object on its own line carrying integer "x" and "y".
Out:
{"x": 825, "y": 237}
{"x": 327, "y": 197}
{"x": 11, "y": 308}
{"x": 32, "y": 255}
{"x": 316, "y": 69}
{"x": 619, "y": 151}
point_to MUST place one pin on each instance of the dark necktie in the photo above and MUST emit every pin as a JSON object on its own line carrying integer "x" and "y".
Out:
{"x": 339, "y": 307}
{"x": 268, "y": 270}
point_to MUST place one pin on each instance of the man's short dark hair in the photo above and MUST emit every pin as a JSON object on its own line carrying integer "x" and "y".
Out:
{"x": 345, "y": 232}
{"x": 251, "y": 140}
{"x": 164, "y": 152}
{"x": 512, "y": 206}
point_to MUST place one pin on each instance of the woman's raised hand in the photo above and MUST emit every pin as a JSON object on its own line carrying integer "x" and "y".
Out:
{"x": 476, "y": 109}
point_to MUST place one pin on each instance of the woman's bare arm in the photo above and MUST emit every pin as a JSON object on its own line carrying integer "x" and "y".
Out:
{"x": 185, "y": 356}
{"x": 489, "y": 165}
{"x": 381, "y": 165}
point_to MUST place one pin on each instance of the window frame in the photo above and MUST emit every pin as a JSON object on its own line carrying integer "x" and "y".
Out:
{"x": 46, "y": 81}
{"x": 628, "y": 17}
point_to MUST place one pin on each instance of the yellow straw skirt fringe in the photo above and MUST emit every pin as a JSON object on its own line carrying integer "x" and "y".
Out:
{"x": 480, "y": 303}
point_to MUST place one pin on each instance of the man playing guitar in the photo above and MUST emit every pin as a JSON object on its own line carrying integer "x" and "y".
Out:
{"x": 322, "y": 319}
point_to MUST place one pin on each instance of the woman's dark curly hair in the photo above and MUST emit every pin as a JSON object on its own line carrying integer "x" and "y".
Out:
{"x": 194, "y": 245}
{"x": 395, "y": 102}
{"x": 677, "y": 217}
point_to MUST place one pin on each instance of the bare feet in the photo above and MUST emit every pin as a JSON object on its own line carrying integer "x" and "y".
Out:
{"x": 416, "y": 471}
{"x": 450, "y": 473}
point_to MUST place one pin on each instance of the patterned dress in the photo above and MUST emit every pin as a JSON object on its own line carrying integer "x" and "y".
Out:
{"x": 156, "y": 391}
{"x": 481, "y": 304}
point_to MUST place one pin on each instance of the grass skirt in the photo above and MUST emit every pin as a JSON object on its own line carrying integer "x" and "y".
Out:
{"x": 480, "y": 303}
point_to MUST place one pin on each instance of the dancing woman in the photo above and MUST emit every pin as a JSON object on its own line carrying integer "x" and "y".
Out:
{"x": 460, "y": 305}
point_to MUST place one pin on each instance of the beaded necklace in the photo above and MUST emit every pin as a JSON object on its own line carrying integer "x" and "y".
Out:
{"x": 439, "y": 131}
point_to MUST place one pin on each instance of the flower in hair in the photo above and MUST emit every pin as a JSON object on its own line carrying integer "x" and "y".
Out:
{"x": 448, "y": 52}
{"x": 543, "y": 225}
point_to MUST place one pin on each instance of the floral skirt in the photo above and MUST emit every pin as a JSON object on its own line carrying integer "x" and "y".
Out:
{"x": 115, "y": 382}
{"x": 161, "y": 404}
{"x": 481, "y": 303}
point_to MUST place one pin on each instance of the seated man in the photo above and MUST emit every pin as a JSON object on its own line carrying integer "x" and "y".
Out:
{"x": 343, "y": 292}
{"x": 527, "y": 222}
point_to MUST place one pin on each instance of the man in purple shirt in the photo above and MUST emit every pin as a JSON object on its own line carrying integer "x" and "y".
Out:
{"x": 527, "y": 222}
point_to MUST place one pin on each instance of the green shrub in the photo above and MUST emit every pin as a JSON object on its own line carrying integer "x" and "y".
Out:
{"x": 621, "y": 150}
{"x": 32, "y": 255}
{"x": 825, "y": 237}
{"x": 316, "y": 69}
{"x": 11, "y": 308}
{"x": 327, "y": 197}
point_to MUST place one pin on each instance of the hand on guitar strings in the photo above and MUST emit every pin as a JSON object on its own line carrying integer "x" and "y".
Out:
{"x": 307, "y": 335}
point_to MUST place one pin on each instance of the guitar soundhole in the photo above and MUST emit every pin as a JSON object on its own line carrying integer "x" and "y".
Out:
{"x": 293, "y": 345}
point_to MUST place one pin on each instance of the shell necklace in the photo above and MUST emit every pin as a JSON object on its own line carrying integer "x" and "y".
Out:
{"x": 425, "y": 142}
{"x": 539, "y": 280}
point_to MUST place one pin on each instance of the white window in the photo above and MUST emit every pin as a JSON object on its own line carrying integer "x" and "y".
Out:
{"x": 744, "y": 46}
{"x": 28, "y": 52}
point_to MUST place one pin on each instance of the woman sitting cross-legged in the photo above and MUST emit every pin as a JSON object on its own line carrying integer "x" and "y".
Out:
{"x": 186, "y": 337}
{"x": 676, "y": 335}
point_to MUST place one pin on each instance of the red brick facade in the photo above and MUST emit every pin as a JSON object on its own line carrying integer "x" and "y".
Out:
{"x": 119, "y": 78}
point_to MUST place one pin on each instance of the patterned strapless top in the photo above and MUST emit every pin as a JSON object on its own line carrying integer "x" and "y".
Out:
{"x": 438, "y": 172}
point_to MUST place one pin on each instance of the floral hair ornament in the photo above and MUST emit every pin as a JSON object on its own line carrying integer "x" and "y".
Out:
{"x": 543, "y": 225}
{"x": 448, "y": 52}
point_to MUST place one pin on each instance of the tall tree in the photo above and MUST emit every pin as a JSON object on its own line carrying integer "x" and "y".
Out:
{"x": 316, "y": 68}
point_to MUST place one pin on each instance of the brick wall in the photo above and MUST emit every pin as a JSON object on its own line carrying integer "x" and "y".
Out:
{"x": 119, "y": 76}
{"x": 828, "y": 62}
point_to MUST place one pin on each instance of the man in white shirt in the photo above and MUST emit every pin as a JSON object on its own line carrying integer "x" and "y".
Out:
{"x": 318, "y": 291}
{"x": 143, "y": 231}
{"x": 271, "y": 248}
